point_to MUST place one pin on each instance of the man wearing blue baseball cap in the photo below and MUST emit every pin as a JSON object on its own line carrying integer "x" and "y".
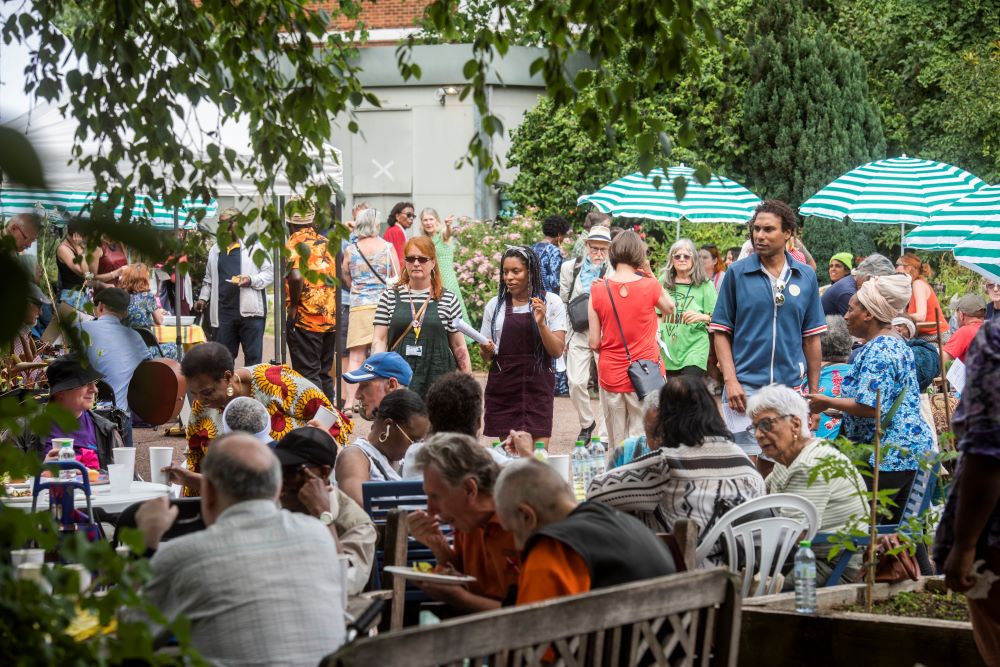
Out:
{"x": 382, "y": 373}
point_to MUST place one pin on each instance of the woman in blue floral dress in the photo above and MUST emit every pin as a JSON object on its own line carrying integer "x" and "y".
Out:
{"x": 884, "y": 364}
{"x": 144, "y": 308}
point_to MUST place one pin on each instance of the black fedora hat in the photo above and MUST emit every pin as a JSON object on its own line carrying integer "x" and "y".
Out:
{"x": 67, "y": 372}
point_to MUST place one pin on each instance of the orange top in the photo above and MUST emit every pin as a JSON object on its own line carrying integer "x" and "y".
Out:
{"x": 317, "y": 308}
{"x": 552, "y": 570}
{"x": 934, "y": 313}
{"x": 488, "y": 554}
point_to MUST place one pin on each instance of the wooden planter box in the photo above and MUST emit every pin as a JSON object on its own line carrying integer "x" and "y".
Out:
{"x": 774, "y": 634}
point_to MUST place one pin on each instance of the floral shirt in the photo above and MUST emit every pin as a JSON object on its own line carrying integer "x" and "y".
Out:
{"x": 317, "y": 309}
{"x": 366, "y": 285}
{"x": 550, "y": 259}
{"x": 886, "y": 363}
{"x": 831, "y": 383}
{"x": 141, "y": 307}
{"x": 290, "y": 399}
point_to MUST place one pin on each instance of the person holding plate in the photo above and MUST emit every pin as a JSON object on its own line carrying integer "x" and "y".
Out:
{"x": 526, "y": 329}
{"x": 685, "y": 332}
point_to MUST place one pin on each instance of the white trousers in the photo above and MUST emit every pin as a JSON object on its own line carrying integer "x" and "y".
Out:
{"x": 622, "y": 416}
{"x": 578, "y": 358}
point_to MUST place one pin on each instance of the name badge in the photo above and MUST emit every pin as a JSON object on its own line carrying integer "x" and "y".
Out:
{"x": 414, "y": 350}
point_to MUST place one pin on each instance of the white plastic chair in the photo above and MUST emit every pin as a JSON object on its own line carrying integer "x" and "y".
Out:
{"x": 773, "y": 537}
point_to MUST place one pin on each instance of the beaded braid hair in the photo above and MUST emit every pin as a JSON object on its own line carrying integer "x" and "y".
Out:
{"x": 531, "y": 261}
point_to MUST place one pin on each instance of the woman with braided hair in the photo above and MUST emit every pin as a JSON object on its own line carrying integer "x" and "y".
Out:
{"x": 526, "y": 328}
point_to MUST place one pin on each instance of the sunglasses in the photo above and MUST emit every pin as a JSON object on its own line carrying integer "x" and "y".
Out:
{"x": 416, "y": 259}
{"x": 682, "y": 256}
{"x": 409, "y": 215}
{"x": 766, "y": 425}
{"x": 992, "y": 287}
{"x": 779, "y": 293}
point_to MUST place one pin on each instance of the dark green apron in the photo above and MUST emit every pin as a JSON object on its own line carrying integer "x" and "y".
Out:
{"x": 435, "y": 358}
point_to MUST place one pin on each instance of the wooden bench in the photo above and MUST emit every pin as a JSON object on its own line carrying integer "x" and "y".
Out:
{"x": 691, "y": 618}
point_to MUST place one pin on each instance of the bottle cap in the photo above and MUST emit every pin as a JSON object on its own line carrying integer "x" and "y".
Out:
{"x": 579, "y": 443}
{"x": 496, "y": 443}
{"x": 539, "y": 445}
{"x": 805, "y": 543}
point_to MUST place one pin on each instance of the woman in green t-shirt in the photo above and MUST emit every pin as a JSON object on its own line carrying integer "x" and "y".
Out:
{"x": 685, "y": 333}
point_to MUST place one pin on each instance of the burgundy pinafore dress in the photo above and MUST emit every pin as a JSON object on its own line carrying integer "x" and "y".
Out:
{"x": 519, "y": 389}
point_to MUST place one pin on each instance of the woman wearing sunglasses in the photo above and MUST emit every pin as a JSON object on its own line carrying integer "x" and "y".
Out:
{"x": 415, "y": 318}
{"x": 993, "y": 299}
{"x": 780, "y": 422}
{"x": 685, "y": 332}
{"x": 526, "y": 329}
{"x": 400, "y": 219}
{"x": 399, "y": 421}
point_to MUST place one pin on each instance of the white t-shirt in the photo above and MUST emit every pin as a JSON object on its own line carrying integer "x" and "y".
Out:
{"x": 555, "y": 316}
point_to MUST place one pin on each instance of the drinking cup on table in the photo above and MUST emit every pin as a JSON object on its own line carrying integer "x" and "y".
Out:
{"x": 159, "y": 458}
{"x": 560, "y": 463}
{"x": 118, "y": 474}
{"x": 126, "y": 455}
{"x": 19, "y": 556}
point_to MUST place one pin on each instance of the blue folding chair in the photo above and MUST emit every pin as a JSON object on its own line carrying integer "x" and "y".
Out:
{"x": 380, "y": 497}
{"x": 62, "y": 498}
{"x": 919, "y": 499}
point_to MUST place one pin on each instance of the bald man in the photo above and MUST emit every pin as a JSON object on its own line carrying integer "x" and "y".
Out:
{"x": 233, "y": 580}
{"x": 569, "y": 547}
{"x": 23, "y": 228}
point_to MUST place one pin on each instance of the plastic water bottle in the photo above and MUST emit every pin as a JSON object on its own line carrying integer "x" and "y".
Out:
{"x": 805, "y": 579}
{"x": 581, "y": 470}
{"x": 540, "y": 453}
{"x": 598, "y": 458}
{"x": 67, "y": 453}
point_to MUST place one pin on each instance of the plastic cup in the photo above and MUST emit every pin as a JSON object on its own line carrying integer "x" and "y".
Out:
{"x": 119, "y": 477}
{"x": 58, "y": 442}
{"x": 561, "y": 465}
{"x": 20, "y": 556}
{"x": 159, "y": 458}
{"x": 126, "y": 455}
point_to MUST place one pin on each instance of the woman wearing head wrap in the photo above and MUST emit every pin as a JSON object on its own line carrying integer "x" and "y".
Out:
{"x": 885, "y": 363}
{"x": 923, "y": 304}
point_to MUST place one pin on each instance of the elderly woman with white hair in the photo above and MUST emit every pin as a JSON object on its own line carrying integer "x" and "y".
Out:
{"x": 370, "y": 265}
{"x": 780, "y": 420}
{"x": 685, "y": 331}
{"x": 884, "y": 367}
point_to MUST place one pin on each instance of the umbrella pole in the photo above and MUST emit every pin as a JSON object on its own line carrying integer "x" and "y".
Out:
{"x": 678, "y": 230}
{"x": 944, "y": 376}
{"x": 178, "y": 288}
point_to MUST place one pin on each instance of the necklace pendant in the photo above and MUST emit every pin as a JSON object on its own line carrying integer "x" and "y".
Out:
{"x": 623, "y": 291}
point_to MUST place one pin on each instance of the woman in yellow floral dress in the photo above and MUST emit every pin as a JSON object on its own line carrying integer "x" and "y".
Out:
{"x": 212, "y": 381}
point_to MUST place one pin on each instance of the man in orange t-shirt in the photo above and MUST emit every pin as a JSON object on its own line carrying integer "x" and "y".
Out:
{"x": 569, "y": 547}
{"x": 459, "y": 474}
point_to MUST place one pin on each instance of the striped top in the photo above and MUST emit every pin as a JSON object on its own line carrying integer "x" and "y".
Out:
{"x": 700, "y": 483}
{"x": 448, "y": 305}
{"x": 836, "y": 501}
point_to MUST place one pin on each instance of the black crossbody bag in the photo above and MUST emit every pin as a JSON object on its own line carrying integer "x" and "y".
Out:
{"x": 644, "y": 374}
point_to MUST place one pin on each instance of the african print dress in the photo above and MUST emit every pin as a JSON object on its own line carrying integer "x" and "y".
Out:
{"x": 290, "y": 399}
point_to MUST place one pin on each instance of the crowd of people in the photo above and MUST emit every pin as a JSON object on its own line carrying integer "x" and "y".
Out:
{"x": 720, "y": 377}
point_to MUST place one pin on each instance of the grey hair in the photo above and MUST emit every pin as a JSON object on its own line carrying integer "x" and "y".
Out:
{"x": 651, "y": 402}
{"x": 246, "y": 414}
{"x": 459, "y": 457}
{"x": 424, "y": 212}
{"x": 698, "y": 275}
{"x": 535, "y": 483}
{"x": 22, "y": 220}
{"x": 784, "y": 401}
{"x": 874, "y": 265}
{"x": 367, "y": 224}
{"x": 236, "y": 479}
{"x": 836, "y": 341}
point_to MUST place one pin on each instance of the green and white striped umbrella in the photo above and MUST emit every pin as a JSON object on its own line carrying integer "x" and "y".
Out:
{"x": 901, "y": 190}
{"x": 980, "y": 252}
{"x": 956, "y": 222}
{"x": 635, "y": 196}
{"x": 54, "y": 204}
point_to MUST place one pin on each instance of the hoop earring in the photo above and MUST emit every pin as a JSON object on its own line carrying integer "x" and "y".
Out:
{"x": 384, "y": 436}
{"x": 229, "y": 390}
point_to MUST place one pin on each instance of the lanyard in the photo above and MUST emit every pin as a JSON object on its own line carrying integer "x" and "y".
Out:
{"x": 418, "y": 315}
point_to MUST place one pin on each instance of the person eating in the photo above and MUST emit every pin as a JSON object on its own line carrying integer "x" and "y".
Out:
{"x": 380, "y": 375}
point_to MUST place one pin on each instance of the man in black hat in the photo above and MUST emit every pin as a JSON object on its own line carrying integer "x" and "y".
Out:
{"x": 115, "y": 349}
{"x": 307, "y": 457}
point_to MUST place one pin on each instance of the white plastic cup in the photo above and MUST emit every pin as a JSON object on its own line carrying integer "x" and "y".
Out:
{"x": 560, "y": 463}
{"x": 20, "y": 556}
{"x": 159, "y": 458}
{"x": 126, "y": 455}
{"x": 118, "y": 474}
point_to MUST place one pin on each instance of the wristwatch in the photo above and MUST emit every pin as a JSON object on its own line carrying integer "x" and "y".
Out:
{"x": 325, "y": 518}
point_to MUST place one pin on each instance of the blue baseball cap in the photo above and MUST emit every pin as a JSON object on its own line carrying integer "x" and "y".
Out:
{"x": 382, "y": 365}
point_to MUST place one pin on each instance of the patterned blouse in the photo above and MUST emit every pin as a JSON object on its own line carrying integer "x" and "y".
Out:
{"x": 550, "y": 258}
{"x": 290, "y": 399}
{"x": 141, "y": 307}
{"x": 886, "y": 363}
{"x": 317, "y": 307}
{"x": 365, "y": 284}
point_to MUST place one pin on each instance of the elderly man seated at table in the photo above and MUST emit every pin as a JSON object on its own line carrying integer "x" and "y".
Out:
{"x": 568, "y": 547}
{"x": 780, "y": 419}
{"x": 73, "y": 387}
{"x": 459, "y": 475}
{"x": 256, "y": 584}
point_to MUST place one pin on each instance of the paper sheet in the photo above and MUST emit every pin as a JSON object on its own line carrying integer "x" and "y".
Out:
{"x": 956, "y": 376}
{"x": 462, "y": 326}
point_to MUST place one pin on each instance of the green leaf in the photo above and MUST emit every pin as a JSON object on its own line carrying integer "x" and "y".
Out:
{"x": 18, "y": 160}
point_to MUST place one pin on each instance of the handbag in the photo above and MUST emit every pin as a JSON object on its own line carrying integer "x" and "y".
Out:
{"x": 579, "y": 306}
{"x": 891, "y": 568}
{"x": 643, "y": 373}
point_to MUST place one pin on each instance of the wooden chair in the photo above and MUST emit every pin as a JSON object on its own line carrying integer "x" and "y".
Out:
{"x": 691, "y": 618}
{"x": 683, "y": 543}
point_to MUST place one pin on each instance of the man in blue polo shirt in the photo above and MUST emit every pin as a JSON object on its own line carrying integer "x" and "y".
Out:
{"x": 766, "y": 320}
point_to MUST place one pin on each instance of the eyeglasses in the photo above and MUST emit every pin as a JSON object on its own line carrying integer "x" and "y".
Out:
{"x": 766, "y": 425}
{"x": 416, "y": 259}
{"x": 992, "y": 287}
{"x": 405, "y": 434}
{"x": 682, "y": 256}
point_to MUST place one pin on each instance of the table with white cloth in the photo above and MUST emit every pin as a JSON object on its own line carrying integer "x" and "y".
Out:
{"x": 100, "y": 496}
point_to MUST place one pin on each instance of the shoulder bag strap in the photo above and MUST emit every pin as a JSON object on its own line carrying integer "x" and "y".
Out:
{"x": 887, "y": 417}
{"x": 607, "y": 284}
{"x": 395, "y": 298}
{"x": 372, "y": 268}
{"x": 577, "y": 267}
